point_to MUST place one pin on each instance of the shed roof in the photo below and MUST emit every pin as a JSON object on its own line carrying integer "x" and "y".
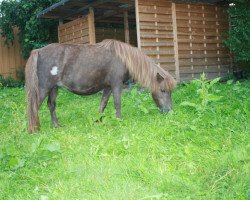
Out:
{"x": 72, "y": 9}
{"x": 201, "y": 1}
{"x": 104, "y": 9}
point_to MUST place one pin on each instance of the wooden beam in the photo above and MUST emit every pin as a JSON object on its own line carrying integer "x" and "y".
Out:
{"x": 58, "y": 30}
{"x": 91, "y": 20}
{"x": 60, "y": 21}
{"x": 113, "y": 22}
{"x": 126, "y": 27}
{"x": 43, "y": 12}
{"x": 176, "y": 53}
{"x": 137, "y": 24}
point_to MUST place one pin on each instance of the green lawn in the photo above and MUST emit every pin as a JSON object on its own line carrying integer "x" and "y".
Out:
{"x": 199, "y": 151}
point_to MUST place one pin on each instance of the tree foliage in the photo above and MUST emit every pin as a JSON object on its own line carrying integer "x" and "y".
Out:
{"x": 239, "y": 34}
{"x": 34, "y": 32}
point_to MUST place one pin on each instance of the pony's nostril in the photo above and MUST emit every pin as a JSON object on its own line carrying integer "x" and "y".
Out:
{"x": 165, "y": 110}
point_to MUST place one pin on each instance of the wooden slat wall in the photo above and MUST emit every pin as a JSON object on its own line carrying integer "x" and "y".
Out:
{"x": 10, "y": 57}
{"x": 193, "y": 46}
{"x": 156, "y": 31}
{"x": 197, "y": 36}
{"x": 75, "y": 32}
{"x": 200, "y": 30}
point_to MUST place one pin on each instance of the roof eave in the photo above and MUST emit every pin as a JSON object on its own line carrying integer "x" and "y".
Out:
{"x": 60, "y": 3}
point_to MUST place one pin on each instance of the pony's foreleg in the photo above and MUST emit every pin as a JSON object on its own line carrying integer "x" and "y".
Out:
{"x": 105, "y": 98}
{"x": 116, "y": 90}
{"x": 52, "y": 106}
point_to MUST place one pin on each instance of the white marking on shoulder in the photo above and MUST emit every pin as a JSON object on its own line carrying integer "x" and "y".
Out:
{"x": 54, "y": 70}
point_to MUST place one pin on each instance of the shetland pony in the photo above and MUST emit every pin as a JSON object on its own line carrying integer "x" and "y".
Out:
{"x": 87, "y": 69}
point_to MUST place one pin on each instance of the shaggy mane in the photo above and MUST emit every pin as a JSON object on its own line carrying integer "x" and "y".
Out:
{"x": 141, "y": 67}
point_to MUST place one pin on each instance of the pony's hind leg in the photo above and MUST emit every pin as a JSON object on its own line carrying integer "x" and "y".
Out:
{"x": 116, "y": 90}
{"x": 105, "y": 98}
{"x": 42, "y": 95}
{"x": 52, "y": 105}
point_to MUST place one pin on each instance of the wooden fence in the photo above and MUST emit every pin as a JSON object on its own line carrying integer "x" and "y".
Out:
{"x": 79, "y": 31}
{"x": 156, "y": 32}
{"x": 185, "y": 39}
{"x": 200, "y": 31}
{"x": 10, "y": 57}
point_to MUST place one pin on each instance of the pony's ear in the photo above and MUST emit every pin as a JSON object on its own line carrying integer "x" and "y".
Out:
{"x": 159, "y": 78}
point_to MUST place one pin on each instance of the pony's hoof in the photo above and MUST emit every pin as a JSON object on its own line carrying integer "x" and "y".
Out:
{"x": 57, "y": 126}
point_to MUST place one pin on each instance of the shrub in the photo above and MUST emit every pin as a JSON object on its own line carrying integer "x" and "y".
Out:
{"x": 239, "y": 36}
{"x": 34, "y": 32}
{"x": 10, "y": 82}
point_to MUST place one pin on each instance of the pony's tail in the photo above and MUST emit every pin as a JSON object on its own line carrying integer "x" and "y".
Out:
{"x": 32, "y": 92}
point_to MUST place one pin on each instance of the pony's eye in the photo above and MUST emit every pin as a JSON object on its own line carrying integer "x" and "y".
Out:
{"x": 163, "y": 90}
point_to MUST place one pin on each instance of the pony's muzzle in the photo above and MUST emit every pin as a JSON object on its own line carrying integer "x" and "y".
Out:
{"x": 165, "y": 110}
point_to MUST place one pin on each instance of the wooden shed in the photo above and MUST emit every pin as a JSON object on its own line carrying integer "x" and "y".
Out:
{"x": 183, "y": 37}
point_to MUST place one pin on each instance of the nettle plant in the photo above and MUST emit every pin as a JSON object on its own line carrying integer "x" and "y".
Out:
{"x": 205, "y": 94}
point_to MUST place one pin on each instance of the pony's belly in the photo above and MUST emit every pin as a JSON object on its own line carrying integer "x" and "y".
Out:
{"x": 87, "y": 91}
{"x": 80, "y": 89}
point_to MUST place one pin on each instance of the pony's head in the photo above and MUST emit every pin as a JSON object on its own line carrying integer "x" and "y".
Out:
{"x": 162, "y": 95}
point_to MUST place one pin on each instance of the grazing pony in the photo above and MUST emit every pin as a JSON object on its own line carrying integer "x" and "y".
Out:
{"x": 87, "y": 69}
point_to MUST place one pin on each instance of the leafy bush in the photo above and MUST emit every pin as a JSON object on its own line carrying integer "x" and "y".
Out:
{"x": 34, "y": 32}
{"x": 10, "y": 82}
{"x": 20, "y": 73}
{"x": 239, "y": 35}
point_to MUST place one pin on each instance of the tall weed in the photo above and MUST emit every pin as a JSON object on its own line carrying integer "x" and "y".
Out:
{"x": 205, "y": 92}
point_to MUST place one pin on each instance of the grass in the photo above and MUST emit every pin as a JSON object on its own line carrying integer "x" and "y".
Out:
{"x": 195, "y": 152}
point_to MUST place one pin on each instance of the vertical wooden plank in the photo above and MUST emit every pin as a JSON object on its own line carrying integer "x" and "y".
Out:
{"x": 137, "y": 24}
{"x": 59, "y": 38}
{"x": 13, "y": 58}
{"x": 176, "y": 51}
{"x": 204, "y": 37}
{"x": 10, "y": 57}
{"x": 156, "y": 33}
{"x": 232, "y": 65}
{"x": 126, "y": 27}
{"x": 1, "y": 55}
{"x": 91, "y": 19}
{"x": 17, "y": 59}
{"x": 190, "y": 38}
{"x": 5, "y": 69}
{"x": 218, "y": 42}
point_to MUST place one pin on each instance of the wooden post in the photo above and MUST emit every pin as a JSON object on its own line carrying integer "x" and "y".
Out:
{"x": 137, "y": 24}
{"x": 91, "y": 20}
{"x": 126, "y": 27}
{"x": 176, "y": 53}
{"x": 60, "y": 23}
